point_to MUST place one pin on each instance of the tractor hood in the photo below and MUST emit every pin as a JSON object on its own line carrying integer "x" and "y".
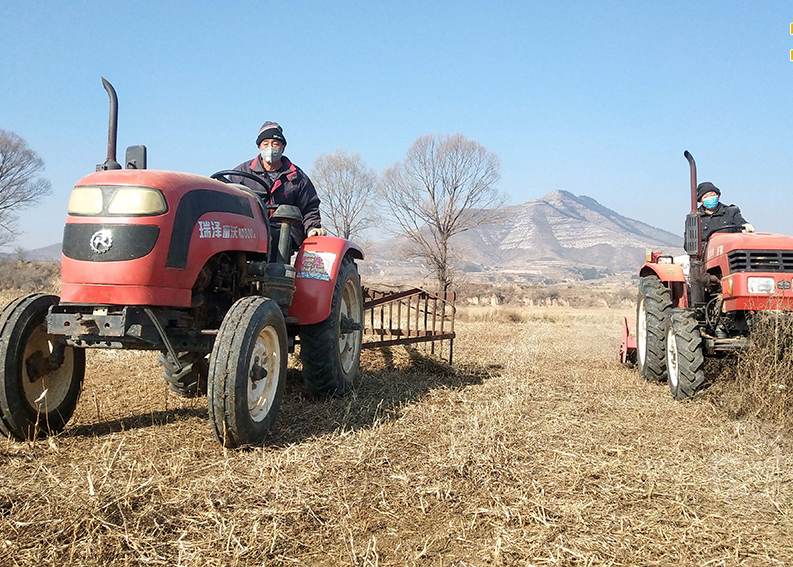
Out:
{"x": 721, "y": 243}
{"x": 173, "y": 182}
{"x": 750, "y": 252}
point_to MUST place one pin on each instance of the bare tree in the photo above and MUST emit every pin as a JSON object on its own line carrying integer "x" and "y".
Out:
{"x": 442, "y": 188}
{"x": 20, "y": 186}
{"x": 346, "y": 188}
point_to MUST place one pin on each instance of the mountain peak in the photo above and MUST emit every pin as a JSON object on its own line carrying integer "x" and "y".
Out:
{"x": 552, "y": 237}
{"x": 558, "y": 195}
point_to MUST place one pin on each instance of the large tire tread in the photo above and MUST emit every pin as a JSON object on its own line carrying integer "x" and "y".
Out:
{"x": 690, "y": 357}
{"x": 322, "y": 373}
{"x": 658, "y": 307}
{"x": 191, "y": 381}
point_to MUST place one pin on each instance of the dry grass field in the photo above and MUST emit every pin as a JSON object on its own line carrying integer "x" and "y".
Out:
{"x": 536, "y": 448}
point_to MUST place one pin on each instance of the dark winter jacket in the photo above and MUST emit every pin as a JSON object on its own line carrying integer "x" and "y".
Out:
{"x": 722, "y": 215}
{"x": 292, "y": 187}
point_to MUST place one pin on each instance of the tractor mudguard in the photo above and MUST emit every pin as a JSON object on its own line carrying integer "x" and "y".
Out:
{"x": 672, "y": 276}
{"x": 317, "y": 267}
{"x": 665, "y": 272}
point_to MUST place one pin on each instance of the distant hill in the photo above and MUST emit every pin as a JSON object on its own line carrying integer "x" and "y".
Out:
{"x": 51, "y": 253}
{"x": 559, "y": 236}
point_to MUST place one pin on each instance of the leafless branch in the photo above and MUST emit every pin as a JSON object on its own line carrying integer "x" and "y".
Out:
{"x": 442, "y": 188}
{"x": 346, "y": 188}
{"x": 20, "y": 186}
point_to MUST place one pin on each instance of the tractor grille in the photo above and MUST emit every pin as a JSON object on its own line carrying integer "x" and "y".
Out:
{"x": 760, "y": 261}
{"x": 126, "y": 241}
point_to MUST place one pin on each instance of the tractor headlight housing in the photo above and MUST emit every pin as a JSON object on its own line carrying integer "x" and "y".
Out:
{"x": 761, "y": 285}
{"x": 137, "y": 201}
{"x": 126, "y": 201}
{"x": 86, "y": 201}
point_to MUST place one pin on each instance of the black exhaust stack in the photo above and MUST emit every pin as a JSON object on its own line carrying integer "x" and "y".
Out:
{"x": 112, "y": 130}
{"x": 693, "y": 240}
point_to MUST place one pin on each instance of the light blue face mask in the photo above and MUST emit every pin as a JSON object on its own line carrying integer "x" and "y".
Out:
{"x": 710, "y": 203}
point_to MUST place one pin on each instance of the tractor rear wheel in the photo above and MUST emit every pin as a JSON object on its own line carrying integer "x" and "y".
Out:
{"x": 331, "y": 350}
{"x": 247, "y": 371}
{"x": 653, "y": 307}
{"x": 40, "y": 377}
{"x": 685, "y": 360}
{"x": 191, "y": 380}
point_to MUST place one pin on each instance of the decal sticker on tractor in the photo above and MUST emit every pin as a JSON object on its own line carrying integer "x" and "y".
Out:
{"x": 783, "y": 284}
{"x": 316, "y": 265}
{"x": 213, "y": 229}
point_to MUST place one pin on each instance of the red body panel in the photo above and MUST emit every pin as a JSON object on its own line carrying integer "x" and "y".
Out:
{"x": 147, "y": 280}
{"x": 125, "y": 295}
{"x": 317, "y": 266}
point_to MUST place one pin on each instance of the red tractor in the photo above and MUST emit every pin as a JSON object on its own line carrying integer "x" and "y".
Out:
{"x": 680, "y": 320}
{"x": 184, "y": 265}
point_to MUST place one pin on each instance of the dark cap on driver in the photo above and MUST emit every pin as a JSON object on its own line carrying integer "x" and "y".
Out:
{"x": 706, "y": 187}
{"x": 270, "y": 131}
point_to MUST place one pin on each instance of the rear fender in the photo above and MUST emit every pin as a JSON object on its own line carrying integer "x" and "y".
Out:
{"x": 672, "y": 277}
{"x": 664, "y": 272}
{"x": 317, "y": 266}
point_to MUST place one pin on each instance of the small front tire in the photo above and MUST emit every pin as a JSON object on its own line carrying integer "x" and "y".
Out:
{"x": 247, "y": 372}
{"x": 40, "y": 377}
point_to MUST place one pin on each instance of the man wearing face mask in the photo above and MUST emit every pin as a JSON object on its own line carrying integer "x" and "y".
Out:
{"x": 288, "y": 184}
{"x": 716, "y": 215}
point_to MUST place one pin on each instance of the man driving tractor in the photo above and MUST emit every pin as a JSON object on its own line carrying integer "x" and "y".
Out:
{"x": 717, "y": 216}
{"x": 288, "y": 184}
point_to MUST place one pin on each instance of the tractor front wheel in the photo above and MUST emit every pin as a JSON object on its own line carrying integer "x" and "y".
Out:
{"x": 247, "y": 370}
{"x": 685, "y": 360}
{"x": 652, "y": 313}
{"x": 40, "y": 376}
{"x": 331, "y": 350}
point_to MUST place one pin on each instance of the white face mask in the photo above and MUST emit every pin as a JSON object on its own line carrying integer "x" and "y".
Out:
{"x": 272, "y": 155}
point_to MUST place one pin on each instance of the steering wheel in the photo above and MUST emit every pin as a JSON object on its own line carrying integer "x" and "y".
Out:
{"x": 726, "y": 227}
{"x": 223, "y": 175}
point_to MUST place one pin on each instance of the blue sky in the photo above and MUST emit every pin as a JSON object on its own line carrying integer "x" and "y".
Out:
{"x": 598, "y": 99}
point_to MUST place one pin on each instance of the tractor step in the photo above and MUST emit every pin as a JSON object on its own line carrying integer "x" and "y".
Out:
{"x": 734, "y": 344}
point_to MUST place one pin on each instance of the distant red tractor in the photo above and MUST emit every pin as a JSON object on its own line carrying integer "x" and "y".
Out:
{"x": 680, "y": 320}
{"x": 185, "y": 265}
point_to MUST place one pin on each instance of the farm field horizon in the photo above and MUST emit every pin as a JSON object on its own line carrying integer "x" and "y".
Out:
{"x": 536, "y": 448}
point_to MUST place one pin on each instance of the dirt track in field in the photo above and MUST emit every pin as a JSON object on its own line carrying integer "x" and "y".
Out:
{"x": 538, "y": 448}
